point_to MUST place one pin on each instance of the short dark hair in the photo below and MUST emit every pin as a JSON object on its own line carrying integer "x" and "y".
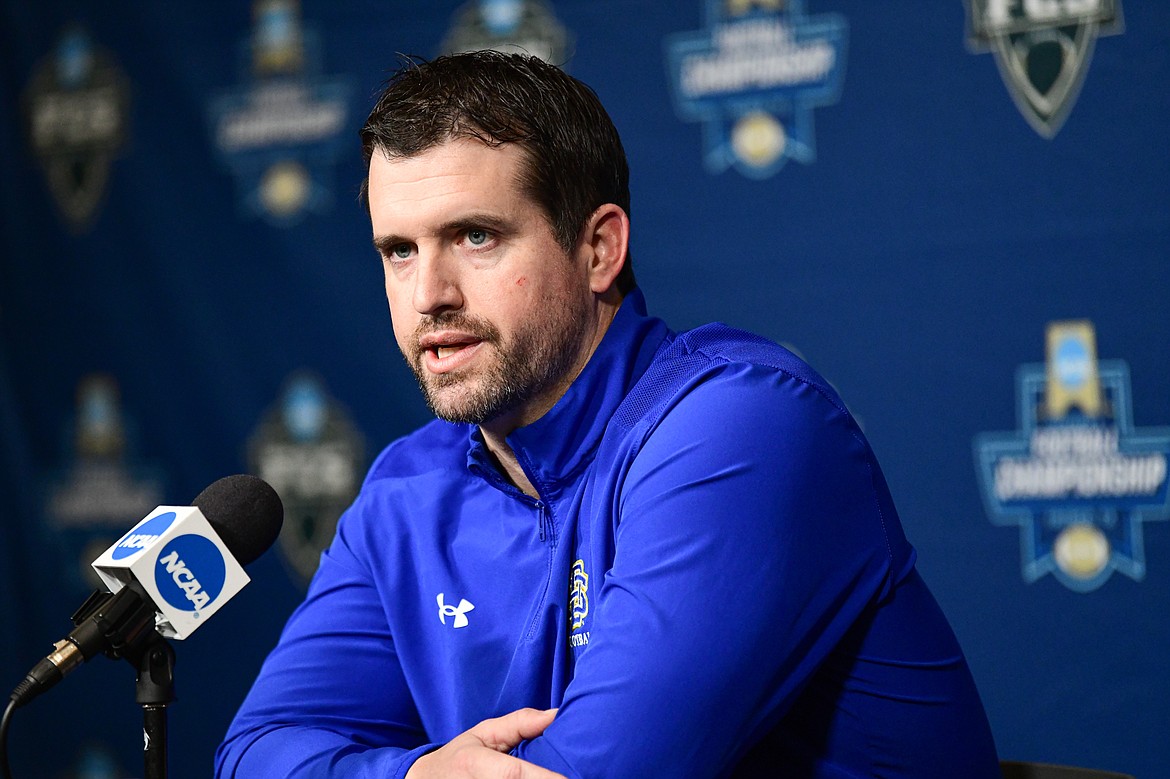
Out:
{"x": 574, "y": 159}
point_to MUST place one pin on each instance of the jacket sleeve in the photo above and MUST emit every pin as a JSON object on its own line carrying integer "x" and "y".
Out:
{"x": 750, "y": 538}
{"x": 331, "y": 699}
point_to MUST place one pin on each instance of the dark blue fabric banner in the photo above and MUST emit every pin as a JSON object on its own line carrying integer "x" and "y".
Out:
{"x": 960, "y": 216}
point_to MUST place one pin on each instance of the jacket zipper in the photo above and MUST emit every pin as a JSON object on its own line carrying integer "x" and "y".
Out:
{"x": 546, "y": 531}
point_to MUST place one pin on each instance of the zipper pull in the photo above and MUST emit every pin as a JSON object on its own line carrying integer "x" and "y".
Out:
{"x": 540, "y": 507}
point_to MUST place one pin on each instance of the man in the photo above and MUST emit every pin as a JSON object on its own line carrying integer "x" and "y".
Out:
{"x": 682, "y": 543}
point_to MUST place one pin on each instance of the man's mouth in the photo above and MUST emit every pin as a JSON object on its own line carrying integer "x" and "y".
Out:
{"x": 450, "y": 344}
{"x": 447, "y": 345}
{"x": 448, "y": 352}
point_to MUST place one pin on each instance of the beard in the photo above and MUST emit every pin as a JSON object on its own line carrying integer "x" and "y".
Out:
{"x": 533, "y": 361}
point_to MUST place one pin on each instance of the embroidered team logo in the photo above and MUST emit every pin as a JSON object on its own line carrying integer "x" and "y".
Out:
{"x": 1043, "y": 49}
{"x": 753, "y": 78}
{"x": 1077, "y": 478}
{"x": 457, "y": 613}
{"x": 579, "y": 595}
{"x": 578, "y": 604}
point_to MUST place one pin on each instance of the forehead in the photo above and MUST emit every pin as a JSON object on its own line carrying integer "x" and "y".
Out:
{"x": 458, "y": 174}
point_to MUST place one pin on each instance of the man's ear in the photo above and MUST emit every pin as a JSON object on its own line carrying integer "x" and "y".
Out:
{"x": 606, "y": 241}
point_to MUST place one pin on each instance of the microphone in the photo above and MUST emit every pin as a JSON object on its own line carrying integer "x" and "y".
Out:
{"x": 169, "y": 573}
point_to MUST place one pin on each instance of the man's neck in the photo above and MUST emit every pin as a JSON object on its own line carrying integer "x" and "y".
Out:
{"x": 509, "y": 465}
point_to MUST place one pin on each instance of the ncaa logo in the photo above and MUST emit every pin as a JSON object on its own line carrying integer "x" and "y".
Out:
{"x": 143, "y": 536}
{"x": 190, "y": 572}
{"x": 1072, "y": 362}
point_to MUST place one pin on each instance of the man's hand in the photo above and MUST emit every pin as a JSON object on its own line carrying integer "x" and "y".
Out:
{"x": 482, "y": 751}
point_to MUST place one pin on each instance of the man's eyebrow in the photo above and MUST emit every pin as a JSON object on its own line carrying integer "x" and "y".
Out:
{"x": 481, "y": 220}
{"x": 385, "y": 243}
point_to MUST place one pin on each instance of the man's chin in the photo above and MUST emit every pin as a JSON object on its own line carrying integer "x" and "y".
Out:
{"x": 459, "y": 404}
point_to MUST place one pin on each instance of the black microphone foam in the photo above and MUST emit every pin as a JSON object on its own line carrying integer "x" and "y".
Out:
{"x": 246, "y": 513}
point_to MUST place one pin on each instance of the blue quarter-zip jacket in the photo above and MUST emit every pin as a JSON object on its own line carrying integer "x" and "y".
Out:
{"x": 713, "y": 583}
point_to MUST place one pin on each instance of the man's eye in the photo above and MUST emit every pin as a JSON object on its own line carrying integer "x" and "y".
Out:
{"x": 401, "y": 251}
{"x": 477, "y": 237}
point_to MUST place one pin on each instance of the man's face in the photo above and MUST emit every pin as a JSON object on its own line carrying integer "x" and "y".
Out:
{"x": 489, "y": 311}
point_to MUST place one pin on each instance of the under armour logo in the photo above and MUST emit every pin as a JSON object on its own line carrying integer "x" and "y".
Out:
{"x": 458, "y": 612}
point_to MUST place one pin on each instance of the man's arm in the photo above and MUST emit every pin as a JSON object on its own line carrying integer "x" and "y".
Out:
{"x": 331, "y": 699}
{"x": 750, "y": 540}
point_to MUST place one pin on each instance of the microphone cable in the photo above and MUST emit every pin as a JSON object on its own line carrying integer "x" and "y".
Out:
{"x": 5, "y": 721}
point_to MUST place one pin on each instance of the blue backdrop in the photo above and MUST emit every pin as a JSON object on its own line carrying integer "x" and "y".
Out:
{"x": 908, "y": 197}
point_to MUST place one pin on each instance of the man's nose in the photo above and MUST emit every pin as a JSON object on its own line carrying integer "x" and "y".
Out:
{"x": 436, "y": 285}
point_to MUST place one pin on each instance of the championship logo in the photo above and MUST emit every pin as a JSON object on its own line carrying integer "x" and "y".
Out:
{"x": 509, "y": 26}
{"x": 1077, "y": 478}
{"x": 1043, "y": 49}
{"x": 281, "y": 131}
{"x": 753, "y": 78}
{"x": 89, "y": 502}
{"x": 77, "y": 109}
{"x": 309, "y": 451}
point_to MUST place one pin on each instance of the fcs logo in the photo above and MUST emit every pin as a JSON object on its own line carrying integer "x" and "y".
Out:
{"x": 1043, "y": 49}
{"x": 458, "y": 612}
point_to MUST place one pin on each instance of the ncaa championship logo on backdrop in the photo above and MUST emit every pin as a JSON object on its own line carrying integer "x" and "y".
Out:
{"x": 102, "y": 480}
{"x": 753, "y": 78}
{"x": 281, "y": 131}
{"x": 511, "y": 27}
{"x": 1077, "y": 478}
{"x": 1043, "y": 49}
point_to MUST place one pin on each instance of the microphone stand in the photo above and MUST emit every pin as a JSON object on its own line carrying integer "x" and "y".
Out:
{"x": 126, "y": 624}
{"x": 154, "y": 691}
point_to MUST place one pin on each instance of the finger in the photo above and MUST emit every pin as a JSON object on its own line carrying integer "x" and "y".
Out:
{"x": 504, "y": 733}
{"x": 495, "y": 765}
